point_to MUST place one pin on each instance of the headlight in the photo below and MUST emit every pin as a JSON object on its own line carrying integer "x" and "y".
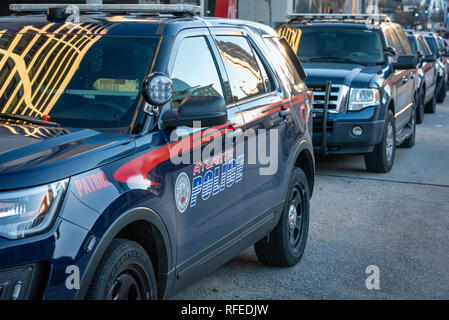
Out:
{"x": 362, "y": 98}
{"x": 30, "y": 211}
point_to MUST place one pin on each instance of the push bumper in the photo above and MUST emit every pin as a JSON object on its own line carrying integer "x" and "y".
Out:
{"x": 340, "y": 138}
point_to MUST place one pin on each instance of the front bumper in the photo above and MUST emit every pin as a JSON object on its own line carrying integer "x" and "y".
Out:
{"x": 339, "y": 136}
{"x": 35, "y": 267}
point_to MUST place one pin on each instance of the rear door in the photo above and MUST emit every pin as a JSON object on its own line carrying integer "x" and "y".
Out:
{"x": 267, "y": 114}
{"x": 208, "y": 188}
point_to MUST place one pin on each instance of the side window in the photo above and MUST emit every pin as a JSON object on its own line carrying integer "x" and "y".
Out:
{"x": 393, "y": 41}
{"x": 194, "y": 71}
{"x": 405, "y": 44}
{"x": 283, "y": 62}
{"x": 423, "y": 47}
{"x": 241, "y": 64}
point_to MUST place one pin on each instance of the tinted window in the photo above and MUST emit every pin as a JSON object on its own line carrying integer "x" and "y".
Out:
{"x": 241, "y": 65}
{"x": 393, "y": 41}
{"x": 357, "y": 45}
{"x": 194, "y": 71}
{"x": 405, "y": 44}
{"x": 423, "y": 47}
{"x": 432, "y": 45}
{"x": 413, "y": 43}
{"x": 79, "y": 80}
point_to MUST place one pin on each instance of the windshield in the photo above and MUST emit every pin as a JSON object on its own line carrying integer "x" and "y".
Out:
{"x": 432, "y": 45}
{"x": 88, "y": 81}
{"x": 345, "y": 45}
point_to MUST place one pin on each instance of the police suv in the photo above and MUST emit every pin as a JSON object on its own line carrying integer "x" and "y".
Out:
{"x": 363, "y": 75}
{"x": 102, "y": 106}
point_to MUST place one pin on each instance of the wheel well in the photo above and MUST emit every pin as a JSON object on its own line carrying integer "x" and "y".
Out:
{"x": 305, "y": 162}
{"x": 149, "y": 237}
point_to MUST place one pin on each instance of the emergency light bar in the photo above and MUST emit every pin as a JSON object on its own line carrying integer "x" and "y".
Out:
{"x": 113, "y": 8}
{"x": 339, "y": 17}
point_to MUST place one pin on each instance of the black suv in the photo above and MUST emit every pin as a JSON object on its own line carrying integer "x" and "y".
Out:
{"x": 427, "y": 75}
{"x": 368, "y": 104}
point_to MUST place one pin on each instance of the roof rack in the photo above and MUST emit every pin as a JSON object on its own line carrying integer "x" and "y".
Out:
{"x": 309, "y": 17}
{"x": 113, "y": 8}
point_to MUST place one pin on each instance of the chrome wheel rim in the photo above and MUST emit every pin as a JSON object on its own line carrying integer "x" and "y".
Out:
{"x": 389, "y": 146}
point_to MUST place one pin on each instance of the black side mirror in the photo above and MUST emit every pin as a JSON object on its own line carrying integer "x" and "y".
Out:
{"x": 406, "y": 61}
{"x": 211, "y": 111}
{"x": 446, "y": 53}
{"x": 419, "y": 54}
{"x": 430, "y": 58}
{"x": 390, "y": 51}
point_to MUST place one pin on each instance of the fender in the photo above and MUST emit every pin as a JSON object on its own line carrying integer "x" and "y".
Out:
{"x": 132, "y": 215}
{"x": 308, "y": 147}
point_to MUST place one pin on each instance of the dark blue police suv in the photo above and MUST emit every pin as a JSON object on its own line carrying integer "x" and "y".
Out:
{"x": 98, "y": 106}
{"x": 363, "y": 75}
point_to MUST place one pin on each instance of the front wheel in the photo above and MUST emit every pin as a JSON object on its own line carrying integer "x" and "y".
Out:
{"x": 125, "y": 273}
{"x": 442, "y": 92}
{"x": 381, "y": 160}
{"x": 285, "y": 245}
{"x": 431, "y": 106}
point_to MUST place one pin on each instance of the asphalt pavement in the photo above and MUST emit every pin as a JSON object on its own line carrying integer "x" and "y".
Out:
{"x": 398, "y": 222}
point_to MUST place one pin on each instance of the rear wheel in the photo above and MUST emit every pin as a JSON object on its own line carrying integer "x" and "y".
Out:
{"x": 125, "y": 273}
{"x": 442, "y": 92}
{"x": 420, "y": 108}
{"x": 381, "y": 160}
{"x": 431, "y": 106}
{"x": 285, "y": 245}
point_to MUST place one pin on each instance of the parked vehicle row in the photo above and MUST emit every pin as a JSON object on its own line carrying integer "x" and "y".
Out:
{"x": 92, "y": 203}
{"x": 370, "y": 80}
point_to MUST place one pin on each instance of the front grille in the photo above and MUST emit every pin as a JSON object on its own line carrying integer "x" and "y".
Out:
{"x": 336, "y": 99}
{"x": 318, "y": 125}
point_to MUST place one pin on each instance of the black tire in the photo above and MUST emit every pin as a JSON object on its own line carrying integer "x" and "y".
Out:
{"x": 381, "y": 160}
{"x": 442, "y": 93}
{"x": 410, "y": 141}
{"x": 125, "y": 272}
{"x": 285, "y": 245}
{"x": 420, "y": 109}
{"x": 431, "y": 106}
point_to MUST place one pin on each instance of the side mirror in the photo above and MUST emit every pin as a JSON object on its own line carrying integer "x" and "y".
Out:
{"x": 419, "y": 54}
{"x": 446, "y": 53}
{"x": 406, "y": 61}
{"x": 390, "y": 51}
{"x": 211, "y": 111}
{"x": 430, "y": 58}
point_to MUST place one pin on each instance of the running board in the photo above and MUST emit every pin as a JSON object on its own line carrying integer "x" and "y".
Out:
{"x": 403, "y": 135}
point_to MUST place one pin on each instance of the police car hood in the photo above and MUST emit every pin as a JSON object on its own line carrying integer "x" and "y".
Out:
{"x": 34, "y": 155}
{"x": 351, "y": 75}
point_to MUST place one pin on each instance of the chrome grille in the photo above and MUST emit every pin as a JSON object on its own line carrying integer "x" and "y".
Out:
{"x": 336, "y": 100}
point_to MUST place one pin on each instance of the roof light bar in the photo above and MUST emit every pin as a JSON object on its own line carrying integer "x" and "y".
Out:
{"x": 114, "y": 8}
{"x": 318, "y": 16}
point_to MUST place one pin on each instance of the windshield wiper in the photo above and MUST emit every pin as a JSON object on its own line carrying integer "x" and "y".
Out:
{"x": 30, "y": 119}
{"x": 336, "y": 59}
